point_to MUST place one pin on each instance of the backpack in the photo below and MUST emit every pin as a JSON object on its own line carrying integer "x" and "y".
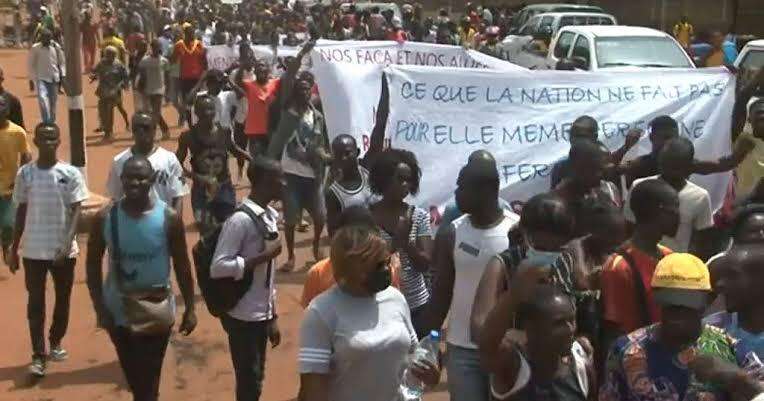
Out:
{"x": 220, "y": 294}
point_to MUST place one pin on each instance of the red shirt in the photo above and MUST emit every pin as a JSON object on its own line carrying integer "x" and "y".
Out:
{"x": 619, "y": 293}
{"x": 132, "y": 42}
{"x": 259, "y": 99}
{"x": 397, "y": 35}
{"x": 191, "y": 59}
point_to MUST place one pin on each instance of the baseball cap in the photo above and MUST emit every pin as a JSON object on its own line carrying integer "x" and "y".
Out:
{"x": 681, "y": 279}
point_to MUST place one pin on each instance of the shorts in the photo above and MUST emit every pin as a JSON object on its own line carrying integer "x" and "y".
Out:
{"x": 220, "y": 207}
{"x": 7, "y": 218}
{"x": 303, "y": 193}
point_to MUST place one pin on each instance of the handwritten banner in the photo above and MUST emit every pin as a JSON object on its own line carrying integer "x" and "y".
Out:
{"x": 523, "y": 118}
{"x": 349, "y": 77}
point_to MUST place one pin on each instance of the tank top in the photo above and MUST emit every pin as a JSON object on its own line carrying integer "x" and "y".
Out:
{"x": 360, "y": 196}
{"x": 573, "y": 385}
{"x": 473, "y": 249}
{"x": 144, "y": 256}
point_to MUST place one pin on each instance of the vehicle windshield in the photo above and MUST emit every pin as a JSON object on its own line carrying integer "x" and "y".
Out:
{"x": 752, "y": 62}
{"x": 640, "y": 52}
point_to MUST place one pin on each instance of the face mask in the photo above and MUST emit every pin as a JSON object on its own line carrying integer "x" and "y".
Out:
{"x": 378, "y": 280}
{"x": 536, "y": 257}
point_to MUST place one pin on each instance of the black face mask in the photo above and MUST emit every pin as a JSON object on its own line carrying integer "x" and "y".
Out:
{"x": 378, "y": 280}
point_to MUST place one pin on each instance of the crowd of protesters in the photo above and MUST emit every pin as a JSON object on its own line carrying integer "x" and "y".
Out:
{"x": 589, "y": 291}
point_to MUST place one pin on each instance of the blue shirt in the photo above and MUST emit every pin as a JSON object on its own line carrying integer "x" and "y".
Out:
{"x": 749, "y": 347}
{"x": 143, "y": 254}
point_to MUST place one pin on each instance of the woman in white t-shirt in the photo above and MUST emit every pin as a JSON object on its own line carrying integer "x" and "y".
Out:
{"x": 356, "y": 337}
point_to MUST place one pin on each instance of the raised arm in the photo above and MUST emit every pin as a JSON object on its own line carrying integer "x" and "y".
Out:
{"x": 377, "y": 140}
{"x": 743, "y": 147}
{"x": 632, "y": 138}
{"x": 287, "y": 80}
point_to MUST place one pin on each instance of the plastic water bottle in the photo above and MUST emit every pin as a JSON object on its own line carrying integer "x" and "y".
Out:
{"x": 411, "y": 388}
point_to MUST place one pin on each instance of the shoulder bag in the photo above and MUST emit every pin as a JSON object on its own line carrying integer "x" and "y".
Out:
{"x": 148, "y": 311}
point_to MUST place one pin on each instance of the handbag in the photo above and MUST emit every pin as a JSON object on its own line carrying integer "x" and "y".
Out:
{"x": 148, "y": 311}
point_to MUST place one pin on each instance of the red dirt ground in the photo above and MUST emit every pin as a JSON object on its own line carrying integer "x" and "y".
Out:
{"x": 196, "y": 368}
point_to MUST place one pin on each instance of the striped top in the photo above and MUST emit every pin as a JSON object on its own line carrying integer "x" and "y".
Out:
{"x": 413, "y": 283}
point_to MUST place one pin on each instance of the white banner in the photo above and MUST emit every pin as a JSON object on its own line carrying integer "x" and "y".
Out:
{"x": 349, "y": 77}
{"x": 523, "y": 119}
{"x": 220, "y": 57}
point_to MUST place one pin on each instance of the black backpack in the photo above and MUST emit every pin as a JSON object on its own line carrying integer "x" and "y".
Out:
{"x": 220, "y": 294}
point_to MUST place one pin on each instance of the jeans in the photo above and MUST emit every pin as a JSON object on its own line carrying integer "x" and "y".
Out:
{"x": 247, "y": 341}
{"x": 467, "y": 381}
{"x": 35, "y": 275}
{"x": 47, "y": 96}
{"x": 140, "y": 357}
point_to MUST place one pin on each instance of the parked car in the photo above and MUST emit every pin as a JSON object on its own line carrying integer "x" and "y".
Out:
{"x": 552, "y": 22}
{"x": 529, "y": 12}
{"x": 601, "y": 47}
{"x": 750, "y": 60}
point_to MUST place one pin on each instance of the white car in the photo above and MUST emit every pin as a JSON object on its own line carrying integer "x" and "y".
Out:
{"x": 751, "y": 59}
{"x": 552, "y": 22}
{"x": 617, "y": 46}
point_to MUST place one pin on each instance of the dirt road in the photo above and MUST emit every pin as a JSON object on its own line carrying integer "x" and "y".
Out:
{"x": 197, "y": 367}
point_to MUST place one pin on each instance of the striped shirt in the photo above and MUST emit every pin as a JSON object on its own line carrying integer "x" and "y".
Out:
{"x": 413, "y": 283}
{"x": 48, "y": 194}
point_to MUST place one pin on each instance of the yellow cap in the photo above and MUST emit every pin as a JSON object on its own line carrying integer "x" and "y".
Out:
{"x": 682, "y": 271}
{"x": 186, "y": 25}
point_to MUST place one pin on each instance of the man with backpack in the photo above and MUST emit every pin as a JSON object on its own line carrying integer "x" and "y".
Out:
{"x": 246, "y": 249}
{"x": 627, "y": 298}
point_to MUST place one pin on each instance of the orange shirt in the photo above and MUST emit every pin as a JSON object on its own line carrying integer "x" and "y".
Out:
{"x": 321, "y": 278}
{"x": 259, "y": 100}
{"x": 191, "y": 59}
{"x": 619, "y": 293}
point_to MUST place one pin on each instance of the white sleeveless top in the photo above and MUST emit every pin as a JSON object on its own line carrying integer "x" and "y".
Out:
{"x": 360, "y": 196}
{"x": 473, "y": 249}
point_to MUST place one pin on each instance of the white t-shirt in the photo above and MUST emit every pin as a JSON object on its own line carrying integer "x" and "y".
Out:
{"x": 361, "y": 343}
{"x": 48, "y": 194}
{"x": 225, "y": 102}
{"x": 169, "y": 184}
{"x": 695, "y": 213}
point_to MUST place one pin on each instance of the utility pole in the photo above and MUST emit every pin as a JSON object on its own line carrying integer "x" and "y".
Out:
{"x": 73, "y": 84}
